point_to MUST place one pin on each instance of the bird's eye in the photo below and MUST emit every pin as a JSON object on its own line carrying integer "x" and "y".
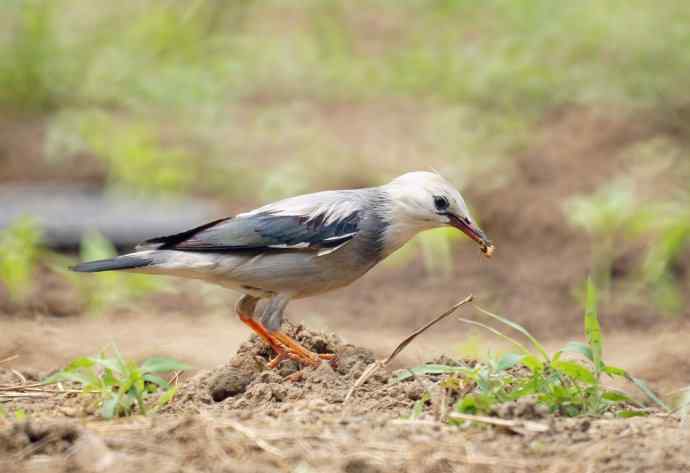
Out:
{"x": 441, "y": 203}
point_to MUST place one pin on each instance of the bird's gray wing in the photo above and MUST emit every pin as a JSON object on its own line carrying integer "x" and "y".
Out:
{"x": 321, "y": 222}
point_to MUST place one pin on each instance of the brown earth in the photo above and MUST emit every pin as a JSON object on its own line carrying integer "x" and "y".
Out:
{"x": 242, "y": 417}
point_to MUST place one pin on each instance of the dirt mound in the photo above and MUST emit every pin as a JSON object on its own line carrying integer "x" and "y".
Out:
{"x": 246, "y": 385}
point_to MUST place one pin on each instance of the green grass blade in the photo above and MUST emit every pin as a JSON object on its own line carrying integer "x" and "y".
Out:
{"x": 613, "y": 371}
{"x": 509, "y": 360}
{"x": 578, "y": 347}
{"x": 157, "y": 380}
{"x": 165, "y": 398}
{"x": 592, "y": 327}
{"x": 108, "y": 363}
{"x": 574, "y": 370}
{"x": 160, "y": 364}
{"x": 615, "y": 396}
{"x": 540, "y": 348}
{"x": 122, "y": 365}
{"x": 642, "y": 386}
{"x": 519, "y": 345}
{"x": 432, "y": 369}
{"x": 76, "y": 377}
{"x": 109, "y": 407}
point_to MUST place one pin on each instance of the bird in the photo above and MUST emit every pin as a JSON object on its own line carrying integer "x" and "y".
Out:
{"x": 300, "y": 247}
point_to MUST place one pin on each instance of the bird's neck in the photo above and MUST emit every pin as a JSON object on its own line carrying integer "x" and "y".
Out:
{"x": 400, "y": 227}
{"x": 397, "y": 234}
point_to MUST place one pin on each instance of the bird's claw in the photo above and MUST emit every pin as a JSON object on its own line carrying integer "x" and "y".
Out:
{"x": 285, "y": 347}
{"x": 305, "y": 357}
{"x": 297, "y": 352}
{"x": 301, "y": 355}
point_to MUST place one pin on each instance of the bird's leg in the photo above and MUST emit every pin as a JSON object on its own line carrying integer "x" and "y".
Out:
{"x": 300, "y": 353}
{"x": 285, "y": 347}
{"x": 272, "y": 318}
{"x": 245, "y": 310}
{"x": 280, "y": 343}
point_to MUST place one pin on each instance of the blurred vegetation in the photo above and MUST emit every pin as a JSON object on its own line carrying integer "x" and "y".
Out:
{"x": 22, "y": 254}
{"x": 609, "y": 216}
{"x": 496, "y": 66}
{"x": 653, "y": 231}
{"x": 110, "y": 288}
{"x": 486, "y": 70}
{"x": 174, "y": 96}
{"x": 19, "y": 255}
{"x": 133, "y": 158}
{"x": 499, "y": 55}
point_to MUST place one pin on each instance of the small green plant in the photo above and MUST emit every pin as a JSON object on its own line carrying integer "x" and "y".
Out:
{"x": 20, "y": 248}
{"x": 608, "y": 216}
{"x": 671, "y": 239}
{"x": 614, "y": 216}
{"x": 119, "y": 387}
{"x": 563, "y": 384}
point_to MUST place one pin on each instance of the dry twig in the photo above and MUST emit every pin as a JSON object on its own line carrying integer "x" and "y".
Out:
{"x": 21, "y": 377}
{"x": 378, "y": 364}
{"x": 8, "y": 359}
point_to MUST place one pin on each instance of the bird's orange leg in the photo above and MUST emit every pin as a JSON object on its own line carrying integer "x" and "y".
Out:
{"x": 299, "y": 353}
{"x": 282, "y": 345}
{"x": 278, "y": 348}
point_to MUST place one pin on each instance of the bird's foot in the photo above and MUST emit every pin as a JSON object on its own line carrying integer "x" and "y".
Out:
{"x": 299, "y": 353}
{"x": 308, "y": 358}
{"x": 270, "y": 340}
{"x": 282, "y": 355}
{"x": 285, "y": 347}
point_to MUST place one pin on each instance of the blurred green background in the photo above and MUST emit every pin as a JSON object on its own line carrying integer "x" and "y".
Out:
{"x": 567, "y": 123}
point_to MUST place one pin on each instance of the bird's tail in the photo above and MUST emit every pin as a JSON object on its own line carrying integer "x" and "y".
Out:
{"x": 121, "y": 262}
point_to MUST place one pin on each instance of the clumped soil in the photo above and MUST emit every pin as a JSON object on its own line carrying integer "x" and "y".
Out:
{"x": 242, "y": 417}
{"x": 245, "y": 385}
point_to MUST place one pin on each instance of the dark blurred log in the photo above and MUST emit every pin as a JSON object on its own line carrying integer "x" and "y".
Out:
{"x": 66, "y": 214}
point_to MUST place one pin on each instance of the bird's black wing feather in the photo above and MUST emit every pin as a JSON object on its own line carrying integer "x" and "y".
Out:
{"x": 291, "y": 224}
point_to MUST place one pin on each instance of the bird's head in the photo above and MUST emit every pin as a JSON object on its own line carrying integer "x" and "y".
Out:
{"x": 424, "y": 200}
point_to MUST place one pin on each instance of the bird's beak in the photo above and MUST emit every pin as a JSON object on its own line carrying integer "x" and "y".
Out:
{"x": 474, "y": 232}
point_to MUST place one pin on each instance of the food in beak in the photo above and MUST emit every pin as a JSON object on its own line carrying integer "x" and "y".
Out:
{"x": 474, "y": 232}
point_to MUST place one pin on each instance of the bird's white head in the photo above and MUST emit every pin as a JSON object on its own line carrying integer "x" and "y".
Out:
{"x": 425, "y": 200}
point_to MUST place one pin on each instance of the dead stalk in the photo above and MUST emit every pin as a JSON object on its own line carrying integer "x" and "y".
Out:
{"x": 8, "y": 359}
{"x": 21, "y": 377}
{"x": 378, "y": 364}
